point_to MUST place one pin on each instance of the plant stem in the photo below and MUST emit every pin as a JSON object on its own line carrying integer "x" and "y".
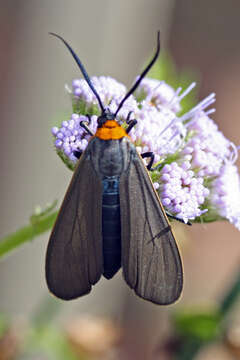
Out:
{"x": 26, "y": 233}
{"x": 189, "y": 350}
{"x": 231, "y": 296}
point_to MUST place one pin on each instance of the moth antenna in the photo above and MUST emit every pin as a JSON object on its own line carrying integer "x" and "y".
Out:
{"x": 133, "y": 88}
{"x": 81, "y": 67}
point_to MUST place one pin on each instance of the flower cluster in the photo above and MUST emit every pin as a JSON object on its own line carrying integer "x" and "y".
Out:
{"x": 71, "y": 137}
{"x": 193, "y": 170}
{"x": 110, "y": 91}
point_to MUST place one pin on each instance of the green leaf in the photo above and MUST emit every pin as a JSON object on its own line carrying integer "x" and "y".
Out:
{"x": 39, "y": 224}
{"x": 200, "y": 325}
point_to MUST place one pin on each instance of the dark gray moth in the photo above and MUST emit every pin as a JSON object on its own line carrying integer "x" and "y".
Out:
{"x": 112, "y": 217}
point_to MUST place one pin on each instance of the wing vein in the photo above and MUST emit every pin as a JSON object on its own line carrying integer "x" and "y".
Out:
{"x": 150, "y": 258}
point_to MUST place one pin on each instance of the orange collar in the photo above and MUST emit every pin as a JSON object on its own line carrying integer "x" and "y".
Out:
{"x": 110, "y": 130}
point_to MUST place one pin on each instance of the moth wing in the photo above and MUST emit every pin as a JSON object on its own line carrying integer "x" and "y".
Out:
{"x": 150, "y": 257}
{"x": 74, "y": 255}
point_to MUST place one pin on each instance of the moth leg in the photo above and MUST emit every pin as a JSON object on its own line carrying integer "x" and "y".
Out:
{"x": 128, "y": 117}
{"x": 89, "y": 119}
{"x": 178, "y": 219}
{"x": 148, "y": 154}
{"x": 131, "y": 123}
{"x": 85, "y": 127}
{"x": 77, "y": 153}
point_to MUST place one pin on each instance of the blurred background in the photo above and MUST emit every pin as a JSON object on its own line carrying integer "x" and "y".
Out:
{"x": 112, "y": 38}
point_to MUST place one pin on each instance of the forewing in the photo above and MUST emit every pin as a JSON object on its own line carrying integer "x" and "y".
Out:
{"x": 74, "y": 256}
{"x": 150, "y": 258}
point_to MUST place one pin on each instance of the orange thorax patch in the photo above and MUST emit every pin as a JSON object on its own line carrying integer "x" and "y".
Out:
{"x": 111, "y": 130}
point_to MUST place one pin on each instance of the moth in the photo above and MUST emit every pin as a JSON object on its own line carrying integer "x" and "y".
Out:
{"x": 112, "y": 217}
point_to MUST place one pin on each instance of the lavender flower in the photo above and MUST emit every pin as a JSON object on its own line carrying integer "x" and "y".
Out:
{"x": 110, "y": 91}
{"x": 225, "y": 194}
{"x": 182, "y": 193}
{"x": 194, "y": 172}
{"x": 71, "y": 137}
{"x": 208, "y": 147}
{"x": 158, "y": 93}
{"x": 107, "y": 88}
{"x": 159, "y": 137}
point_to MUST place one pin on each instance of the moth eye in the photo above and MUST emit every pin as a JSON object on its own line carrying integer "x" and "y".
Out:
{"x": 101, "y": 120}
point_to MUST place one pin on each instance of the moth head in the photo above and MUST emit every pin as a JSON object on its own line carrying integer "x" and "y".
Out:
{"x": 104, "y": 117}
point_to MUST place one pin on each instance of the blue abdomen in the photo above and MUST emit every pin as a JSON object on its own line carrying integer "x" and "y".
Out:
{"x": 111, "y": 226}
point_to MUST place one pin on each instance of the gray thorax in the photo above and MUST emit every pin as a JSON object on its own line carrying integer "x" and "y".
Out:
{"x": 111, "y": 157}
